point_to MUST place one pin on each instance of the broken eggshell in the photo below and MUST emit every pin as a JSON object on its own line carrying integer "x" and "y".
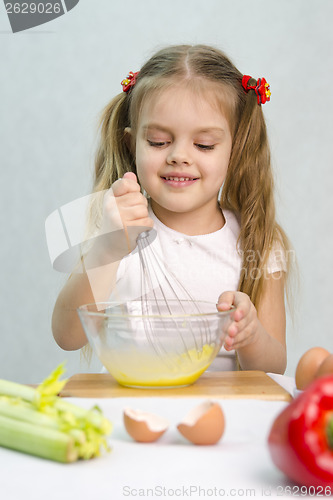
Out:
{"x": 204, "y": 424}
{"x": 143, "y": 426}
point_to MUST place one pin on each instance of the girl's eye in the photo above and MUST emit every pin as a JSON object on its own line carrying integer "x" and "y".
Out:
{"x": 205, "y": 147}
{"x": 156, "y": 144}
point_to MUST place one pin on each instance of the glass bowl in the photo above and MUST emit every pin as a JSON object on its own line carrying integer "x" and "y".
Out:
{"x": 155, "y": 343}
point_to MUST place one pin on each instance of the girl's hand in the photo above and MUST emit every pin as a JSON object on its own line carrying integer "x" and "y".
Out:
{"x": 244, "y": 327}
{"x": 125, "y": 216}
{"x": 132, "y": 207}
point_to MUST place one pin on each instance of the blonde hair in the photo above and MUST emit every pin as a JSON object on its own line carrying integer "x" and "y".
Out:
{"x": 248, "y": 187}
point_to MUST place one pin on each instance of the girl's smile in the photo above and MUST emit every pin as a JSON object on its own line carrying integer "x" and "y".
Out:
{"x": 179, "y": 181}
{"x": 183, "y": 147}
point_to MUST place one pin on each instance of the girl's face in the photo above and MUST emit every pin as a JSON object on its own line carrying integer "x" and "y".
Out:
{"x": 183, "y": 147}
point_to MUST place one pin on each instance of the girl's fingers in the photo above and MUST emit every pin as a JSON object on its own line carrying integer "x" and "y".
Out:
{"x": 132, "y": 199}
{"x": 125, "y": 185}
{"x": 240, "y": 334}
{"x": 124, "y": 201}
{"x": 242, "y": 327}
{"x": 130, "y": 175}
{"x": 226, "y": 300}
{"x": 239, "y": 300}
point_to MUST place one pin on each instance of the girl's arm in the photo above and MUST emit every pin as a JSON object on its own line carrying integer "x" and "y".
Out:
{"x": 84, "y": 288}
{"x": 120, "y": 228}
{"x": 259, "y": 337}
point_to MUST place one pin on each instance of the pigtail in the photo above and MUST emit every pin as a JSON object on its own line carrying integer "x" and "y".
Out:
{"x": 248, "y": 191}
{"x": 113, "y": 156}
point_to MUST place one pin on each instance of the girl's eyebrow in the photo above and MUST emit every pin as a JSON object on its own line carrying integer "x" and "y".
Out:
{"x": 206, "y": 130}
{"x": 209, "y": 130}
{"x": 154, "y": 126}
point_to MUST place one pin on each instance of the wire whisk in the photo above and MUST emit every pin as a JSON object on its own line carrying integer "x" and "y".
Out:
{"x": 164, "y": 295}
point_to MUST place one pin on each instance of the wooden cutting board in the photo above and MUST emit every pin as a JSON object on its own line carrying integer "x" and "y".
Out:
{"x": 241, "y": 384}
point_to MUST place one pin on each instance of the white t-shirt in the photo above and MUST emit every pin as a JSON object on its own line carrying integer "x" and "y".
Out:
{"x": 205, "y": 265}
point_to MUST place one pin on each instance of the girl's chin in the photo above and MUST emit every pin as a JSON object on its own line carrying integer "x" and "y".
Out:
{"x": 180, "y": 207}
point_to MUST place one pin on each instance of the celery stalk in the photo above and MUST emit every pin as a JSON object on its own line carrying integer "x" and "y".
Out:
{"x": 22, "y": 412}
{"x": 94, "y": 417}
{"x": 39, "y": 422}
{"x": 13, "y": 389}
{"x": 35, "y": 440}
{"x": 27, "y": 413}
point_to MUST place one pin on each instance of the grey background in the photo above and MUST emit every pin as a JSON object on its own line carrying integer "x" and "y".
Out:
{"x": 55, "y": 80}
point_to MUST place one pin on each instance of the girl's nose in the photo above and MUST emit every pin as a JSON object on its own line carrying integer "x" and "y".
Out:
{"x": 178, "y": 155}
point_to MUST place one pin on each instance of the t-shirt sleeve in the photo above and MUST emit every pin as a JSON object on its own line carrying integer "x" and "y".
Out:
{"x": 277, "y": 259}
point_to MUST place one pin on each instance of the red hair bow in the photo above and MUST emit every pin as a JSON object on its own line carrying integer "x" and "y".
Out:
{"x": 130, "y": 81}
{"x": 261, "y": 88}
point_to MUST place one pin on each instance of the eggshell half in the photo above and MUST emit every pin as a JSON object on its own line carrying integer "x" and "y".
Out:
{"x": 144, "y": 427}
{"x": 204, "y": 424}
{"x": 326, "y": 367}
{"x": 308, "y": 366}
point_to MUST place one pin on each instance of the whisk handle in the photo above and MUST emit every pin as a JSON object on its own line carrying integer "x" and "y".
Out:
{"x": 143, "y": 235}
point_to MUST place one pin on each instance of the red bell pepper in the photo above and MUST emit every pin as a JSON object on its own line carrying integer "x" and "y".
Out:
{"x": 301, "y": 438}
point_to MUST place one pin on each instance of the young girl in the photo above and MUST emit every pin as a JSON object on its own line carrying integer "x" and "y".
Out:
{"x": 184, "y": 150}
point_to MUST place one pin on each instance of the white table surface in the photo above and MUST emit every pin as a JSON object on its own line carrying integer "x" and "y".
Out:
{"x": 239, "y": 465}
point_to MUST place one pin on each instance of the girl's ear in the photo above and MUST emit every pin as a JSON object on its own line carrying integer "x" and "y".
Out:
{"x": 129, "y": 139}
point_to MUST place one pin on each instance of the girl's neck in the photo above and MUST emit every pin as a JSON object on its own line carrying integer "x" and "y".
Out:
{"x": 190, "y": 223}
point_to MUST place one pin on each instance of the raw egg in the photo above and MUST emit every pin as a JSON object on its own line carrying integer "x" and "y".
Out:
{"x": 204, "y": 424}
{"x": 144, "y": 427}
{"x": 326, "y": 367}
{"x": 308, "y": 366}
